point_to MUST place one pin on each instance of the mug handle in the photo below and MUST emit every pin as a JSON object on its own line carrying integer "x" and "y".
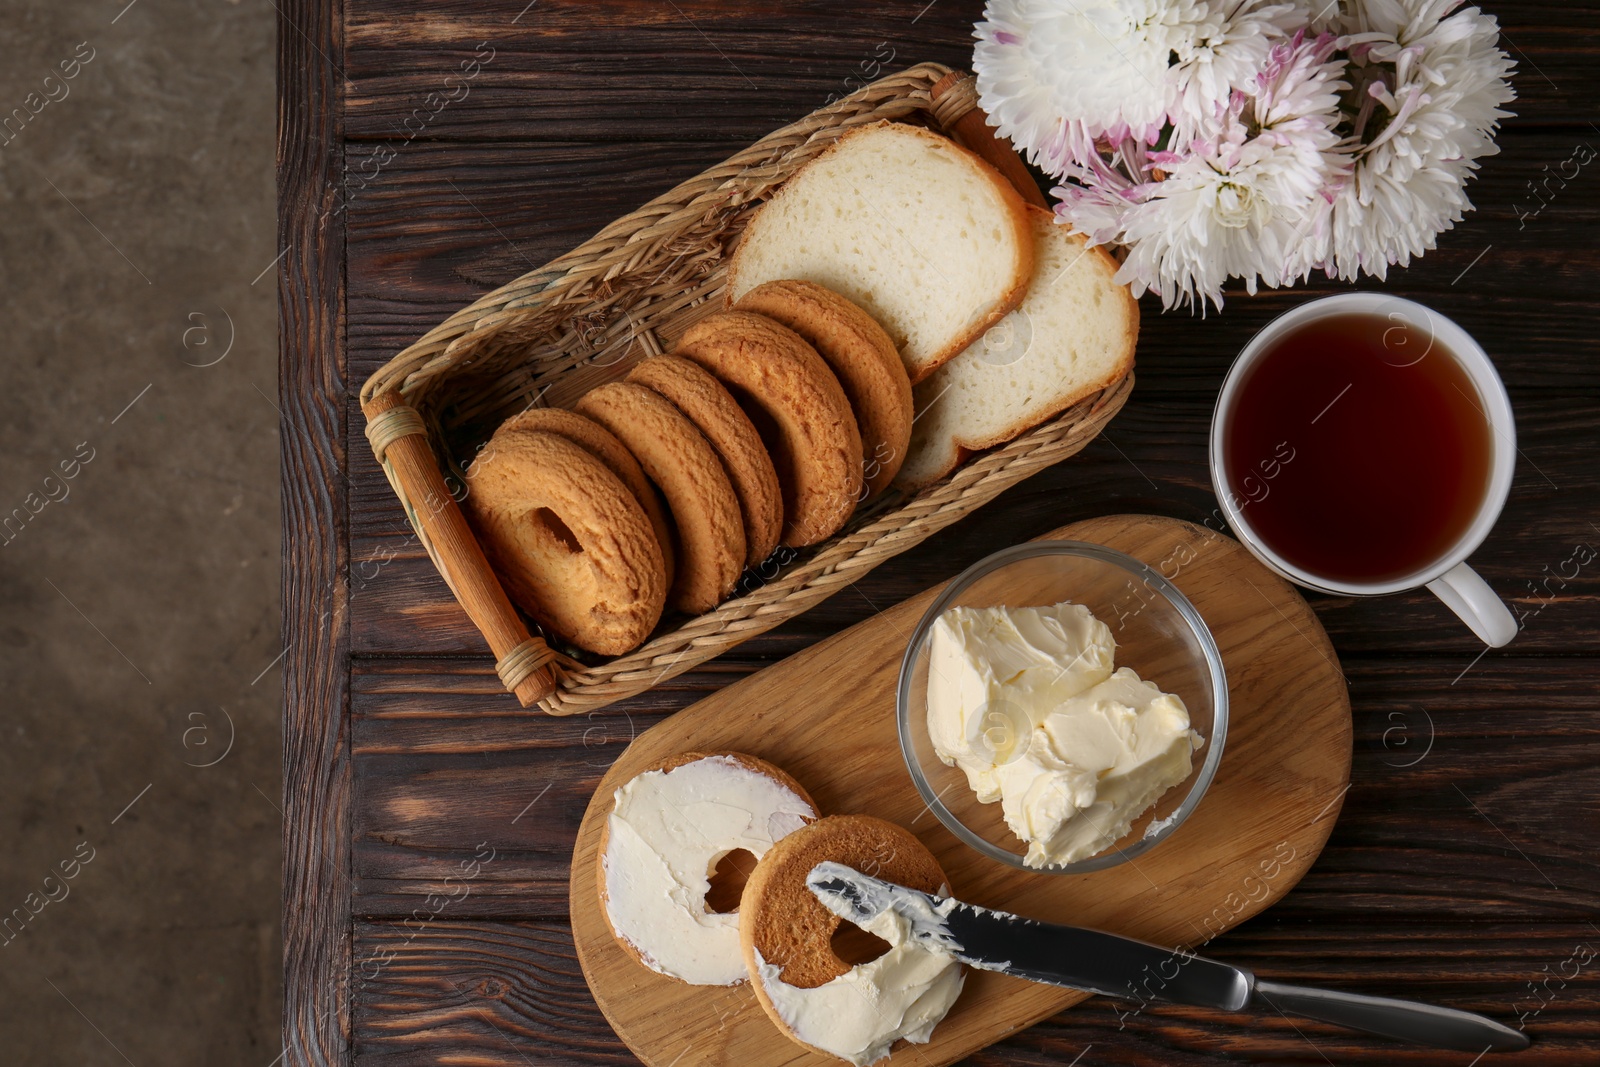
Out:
{"x": 1470, "y": 597}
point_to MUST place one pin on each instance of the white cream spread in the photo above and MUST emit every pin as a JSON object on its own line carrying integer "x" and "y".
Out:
{"x": 1027, "y": 702}
{"x": 857, "y": 1016}
{"x": 665, "y": 835}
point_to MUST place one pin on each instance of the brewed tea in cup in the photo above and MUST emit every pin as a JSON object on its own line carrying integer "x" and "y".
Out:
{"x": 1363, "y": 444}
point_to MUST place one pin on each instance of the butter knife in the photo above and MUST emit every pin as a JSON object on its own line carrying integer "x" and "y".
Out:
{"x": 1135, "y": 970}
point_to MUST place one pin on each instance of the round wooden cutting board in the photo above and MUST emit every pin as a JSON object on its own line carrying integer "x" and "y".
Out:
{"x": 827, "y": 716}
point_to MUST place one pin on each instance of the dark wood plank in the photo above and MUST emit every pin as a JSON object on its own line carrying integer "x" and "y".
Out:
{"x": 445, "y": 223}
{"x": 512, "y": 993}
{"x": 1472, "y": 797}
{"x": 440, "y": 224}
{"x": 634, "y": 70}
{"x": 1151, "y": 459}
{"x": 490, "y": 993}
{"x": 443, "y": 759}
{"x": 311, "y": 390}
{"x": 623, "y": 70}
{"x": 1497, "y": 819}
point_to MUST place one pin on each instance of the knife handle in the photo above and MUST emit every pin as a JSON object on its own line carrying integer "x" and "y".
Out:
{"x": 1403, "y": 1020}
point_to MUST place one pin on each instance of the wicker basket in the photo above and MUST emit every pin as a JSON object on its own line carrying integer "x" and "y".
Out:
{"x": 628, "y": 293}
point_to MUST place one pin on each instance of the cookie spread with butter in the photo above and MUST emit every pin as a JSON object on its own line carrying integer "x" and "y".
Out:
{"x": 668, "y": 830}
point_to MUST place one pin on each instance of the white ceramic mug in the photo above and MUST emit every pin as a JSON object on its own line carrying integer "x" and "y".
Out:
{"x": 1449, "y": 578}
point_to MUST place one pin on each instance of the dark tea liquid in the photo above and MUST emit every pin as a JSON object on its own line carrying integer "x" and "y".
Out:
{"x": 1358, "y": 452}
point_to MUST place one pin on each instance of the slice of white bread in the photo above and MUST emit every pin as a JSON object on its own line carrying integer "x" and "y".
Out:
{"x": 920, "y": 232}
{"x": 1073, "y": 335}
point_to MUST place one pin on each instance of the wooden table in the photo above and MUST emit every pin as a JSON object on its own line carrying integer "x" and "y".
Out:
{"x": 1464, "y": 866}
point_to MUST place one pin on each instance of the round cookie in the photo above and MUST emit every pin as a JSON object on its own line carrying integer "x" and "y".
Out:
{"x": 679, "y": 459}
{"x": 799, "y": 409}
{"x": 782, "y": 919}
{"x": 613, "y": 453}
{"x": 860, "y": 354}
{"x": 715, "y": 957}
{"x": 712, "y": 408}
{"x": 570, "y": 542}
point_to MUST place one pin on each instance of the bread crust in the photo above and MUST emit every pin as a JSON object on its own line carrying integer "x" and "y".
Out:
{"x": 679, "y": 459}
{"x": 1130, "y": 335}
{"x": 696, "y": 393}
{"x": 570, "y": 542}
{"x": 798, "y": 407}
{"x": 1022, "y": 269}
{"x": 754, "y": 763}
{"x": 861, "y": 356}
{"x": 963, "y": 447}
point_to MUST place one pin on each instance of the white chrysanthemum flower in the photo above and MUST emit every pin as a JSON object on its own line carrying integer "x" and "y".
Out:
{"x": 1113, "y": 78}
{"x": 1056, "y": 75}
{"x": 1379, "y": 220}
{"x": 1429, "y": 85}
{"x": 1016, "y": 93}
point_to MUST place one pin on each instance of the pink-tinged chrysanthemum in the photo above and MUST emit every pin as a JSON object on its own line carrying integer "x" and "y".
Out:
{"x": 1224, "y": 52}
{"x": 1244, "y": 201}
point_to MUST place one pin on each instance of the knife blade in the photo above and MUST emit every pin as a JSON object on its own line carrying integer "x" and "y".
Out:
{"x": 1123, "y": 967}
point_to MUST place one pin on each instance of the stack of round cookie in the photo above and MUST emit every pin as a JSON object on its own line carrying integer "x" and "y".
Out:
{"x": 767, "y": 426}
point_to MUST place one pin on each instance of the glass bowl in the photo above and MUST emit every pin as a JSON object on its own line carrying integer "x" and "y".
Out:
{"x": 1158, "y": 633}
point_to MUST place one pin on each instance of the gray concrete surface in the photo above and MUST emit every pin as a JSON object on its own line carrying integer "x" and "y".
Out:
{"x": 139, "y": 599}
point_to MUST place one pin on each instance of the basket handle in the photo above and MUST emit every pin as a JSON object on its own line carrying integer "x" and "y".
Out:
{"x": 399, "y": 439}
{"x": 955, "y": 107}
